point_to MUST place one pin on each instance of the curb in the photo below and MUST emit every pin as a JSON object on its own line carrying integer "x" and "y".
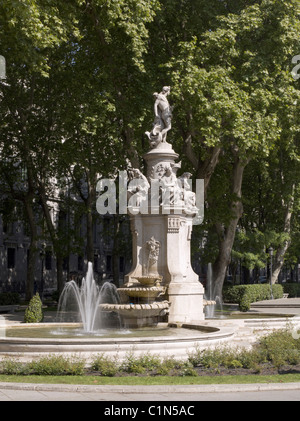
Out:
{"x": 255, "y": 387}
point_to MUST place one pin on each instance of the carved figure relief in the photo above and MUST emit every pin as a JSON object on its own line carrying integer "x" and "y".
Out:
{"x": 138, "y": 187}
{"x": 153, "y": 247}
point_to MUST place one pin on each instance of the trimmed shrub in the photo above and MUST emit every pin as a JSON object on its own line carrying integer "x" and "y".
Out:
{"x": 9, "y": 298}
{"x": 34, "y": 312}
{"x": 244, "y": 295}
{"x": 293, "y": 289}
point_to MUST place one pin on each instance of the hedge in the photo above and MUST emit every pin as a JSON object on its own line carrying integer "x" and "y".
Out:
{"x": 292, "y": 289}
{"x": 244, "y": 295}
{"x": 9, "y": 298}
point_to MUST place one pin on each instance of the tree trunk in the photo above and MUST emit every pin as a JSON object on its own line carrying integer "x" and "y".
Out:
{"x": 279, "y": 256}
{"x": 53, "y": 235}
{"x": 26, "y": 198}
{"x": 89, "y": 201}
{"x": 32, "y": 252}
{"x": 226, "y": 235}
{"x": 206, "y": 168}
{"x": 59, "y": 272}
{"x": 89, "y": 236}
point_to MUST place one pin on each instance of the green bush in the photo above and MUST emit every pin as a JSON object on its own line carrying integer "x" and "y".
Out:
{"x": 105, "y": 366}
{"x": 244, "y": 295}
{"x": 187, "y": 369}
{"x": 34, "y": 312}
{"x": 222, "y": 356}
{"x": 56, "y": 365}
{"x": 140, "y": 364}
{"x": 278, "y": 348}
{"x": 13, "y": 367}
{"x": 168, "y": 365}
{"x": 293, "y": 289}
{"x": 281, "y": 348}
{"x": 9, "y": 298}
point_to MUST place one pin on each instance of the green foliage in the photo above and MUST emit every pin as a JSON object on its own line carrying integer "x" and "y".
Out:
{"x": 34, "y": 312}
{"x": 140, "y": 364}
{"x": 83, "y": 72}
{"x": 293, "y": 289}
{"x": 281, "y": 348}
{"x": 9, "y": 298}
{"x": 187, "y": 369}
{"x": 55, "y": 365}
{"x": 222, "y": 356}
{"x": 13, "y": 366}
{"x": 278, "y": 348}
{"x": 106, "y": 366}
{"x": 51, "y": 365}
{"x": 167, "y": 366}
{"x": 244, "y": 295}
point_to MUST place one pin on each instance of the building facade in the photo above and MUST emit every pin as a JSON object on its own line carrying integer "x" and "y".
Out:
{"x": 14, "y": 246}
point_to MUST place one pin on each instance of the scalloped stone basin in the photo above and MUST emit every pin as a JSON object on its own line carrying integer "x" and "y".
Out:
{"x": 145, "y": 292}
{"x": 137, "y": 310}
{"x": 138, "y": 315}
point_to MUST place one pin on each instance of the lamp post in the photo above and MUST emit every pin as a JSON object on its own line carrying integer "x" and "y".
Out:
{"x": 271, "y": 269}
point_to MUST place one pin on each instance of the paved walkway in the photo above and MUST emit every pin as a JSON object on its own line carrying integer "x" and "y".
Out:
{"x": 281, "y": 305}
{"x": 176, "y": 394}
{"x": 190, "y": 393}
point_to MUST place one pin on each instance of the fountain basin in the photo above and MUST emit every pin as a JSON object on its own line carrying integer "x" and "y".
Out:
{"x": 139, "y": 315}
{"x": 145, "y": 292}
{"x": 176, "y": 342}
{"x": 148, "y": 279}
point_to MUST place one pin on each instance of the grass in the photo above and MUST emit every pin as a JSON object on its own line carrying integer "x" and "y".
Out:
{"x": 153, "y": 380}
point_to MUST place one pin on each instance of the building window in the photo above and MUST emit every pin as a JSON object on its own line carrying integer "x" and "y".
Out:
{"x": 11, "y": 258}
{"x": 8, "y": 228}
{"x": 48, "y": 260}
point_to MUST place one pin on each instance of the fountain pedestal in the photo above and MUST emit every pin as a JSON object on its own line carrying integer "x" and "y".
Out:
{"x": 162, "y": 208}
{"x": 170, "y": 226}
{"x": 173, "y": 232}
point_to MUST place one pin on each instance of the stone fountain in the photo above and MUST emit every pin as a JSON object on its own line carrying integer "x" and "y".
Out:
{"x": 141, "y": 304}
{"x": 161, "y": 285}
{"x": 162, "y": 208}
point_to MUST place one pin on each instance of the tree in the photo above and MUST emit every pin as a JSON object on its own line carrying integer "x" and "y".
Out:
{"x": 30, "y": 30}
{"x": 81, "y": 76}
{"x": 76, "y": 80}
{"x": 226, "y": 83}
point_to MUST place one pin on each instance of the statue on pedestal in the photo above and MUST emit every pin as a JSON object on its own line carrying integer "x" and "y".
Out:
{"x": 163, "y": 116}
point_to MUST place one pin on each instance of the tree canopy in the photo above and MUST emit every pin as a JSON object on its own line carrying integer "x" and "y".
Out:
{"x": 77, "y": 100}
